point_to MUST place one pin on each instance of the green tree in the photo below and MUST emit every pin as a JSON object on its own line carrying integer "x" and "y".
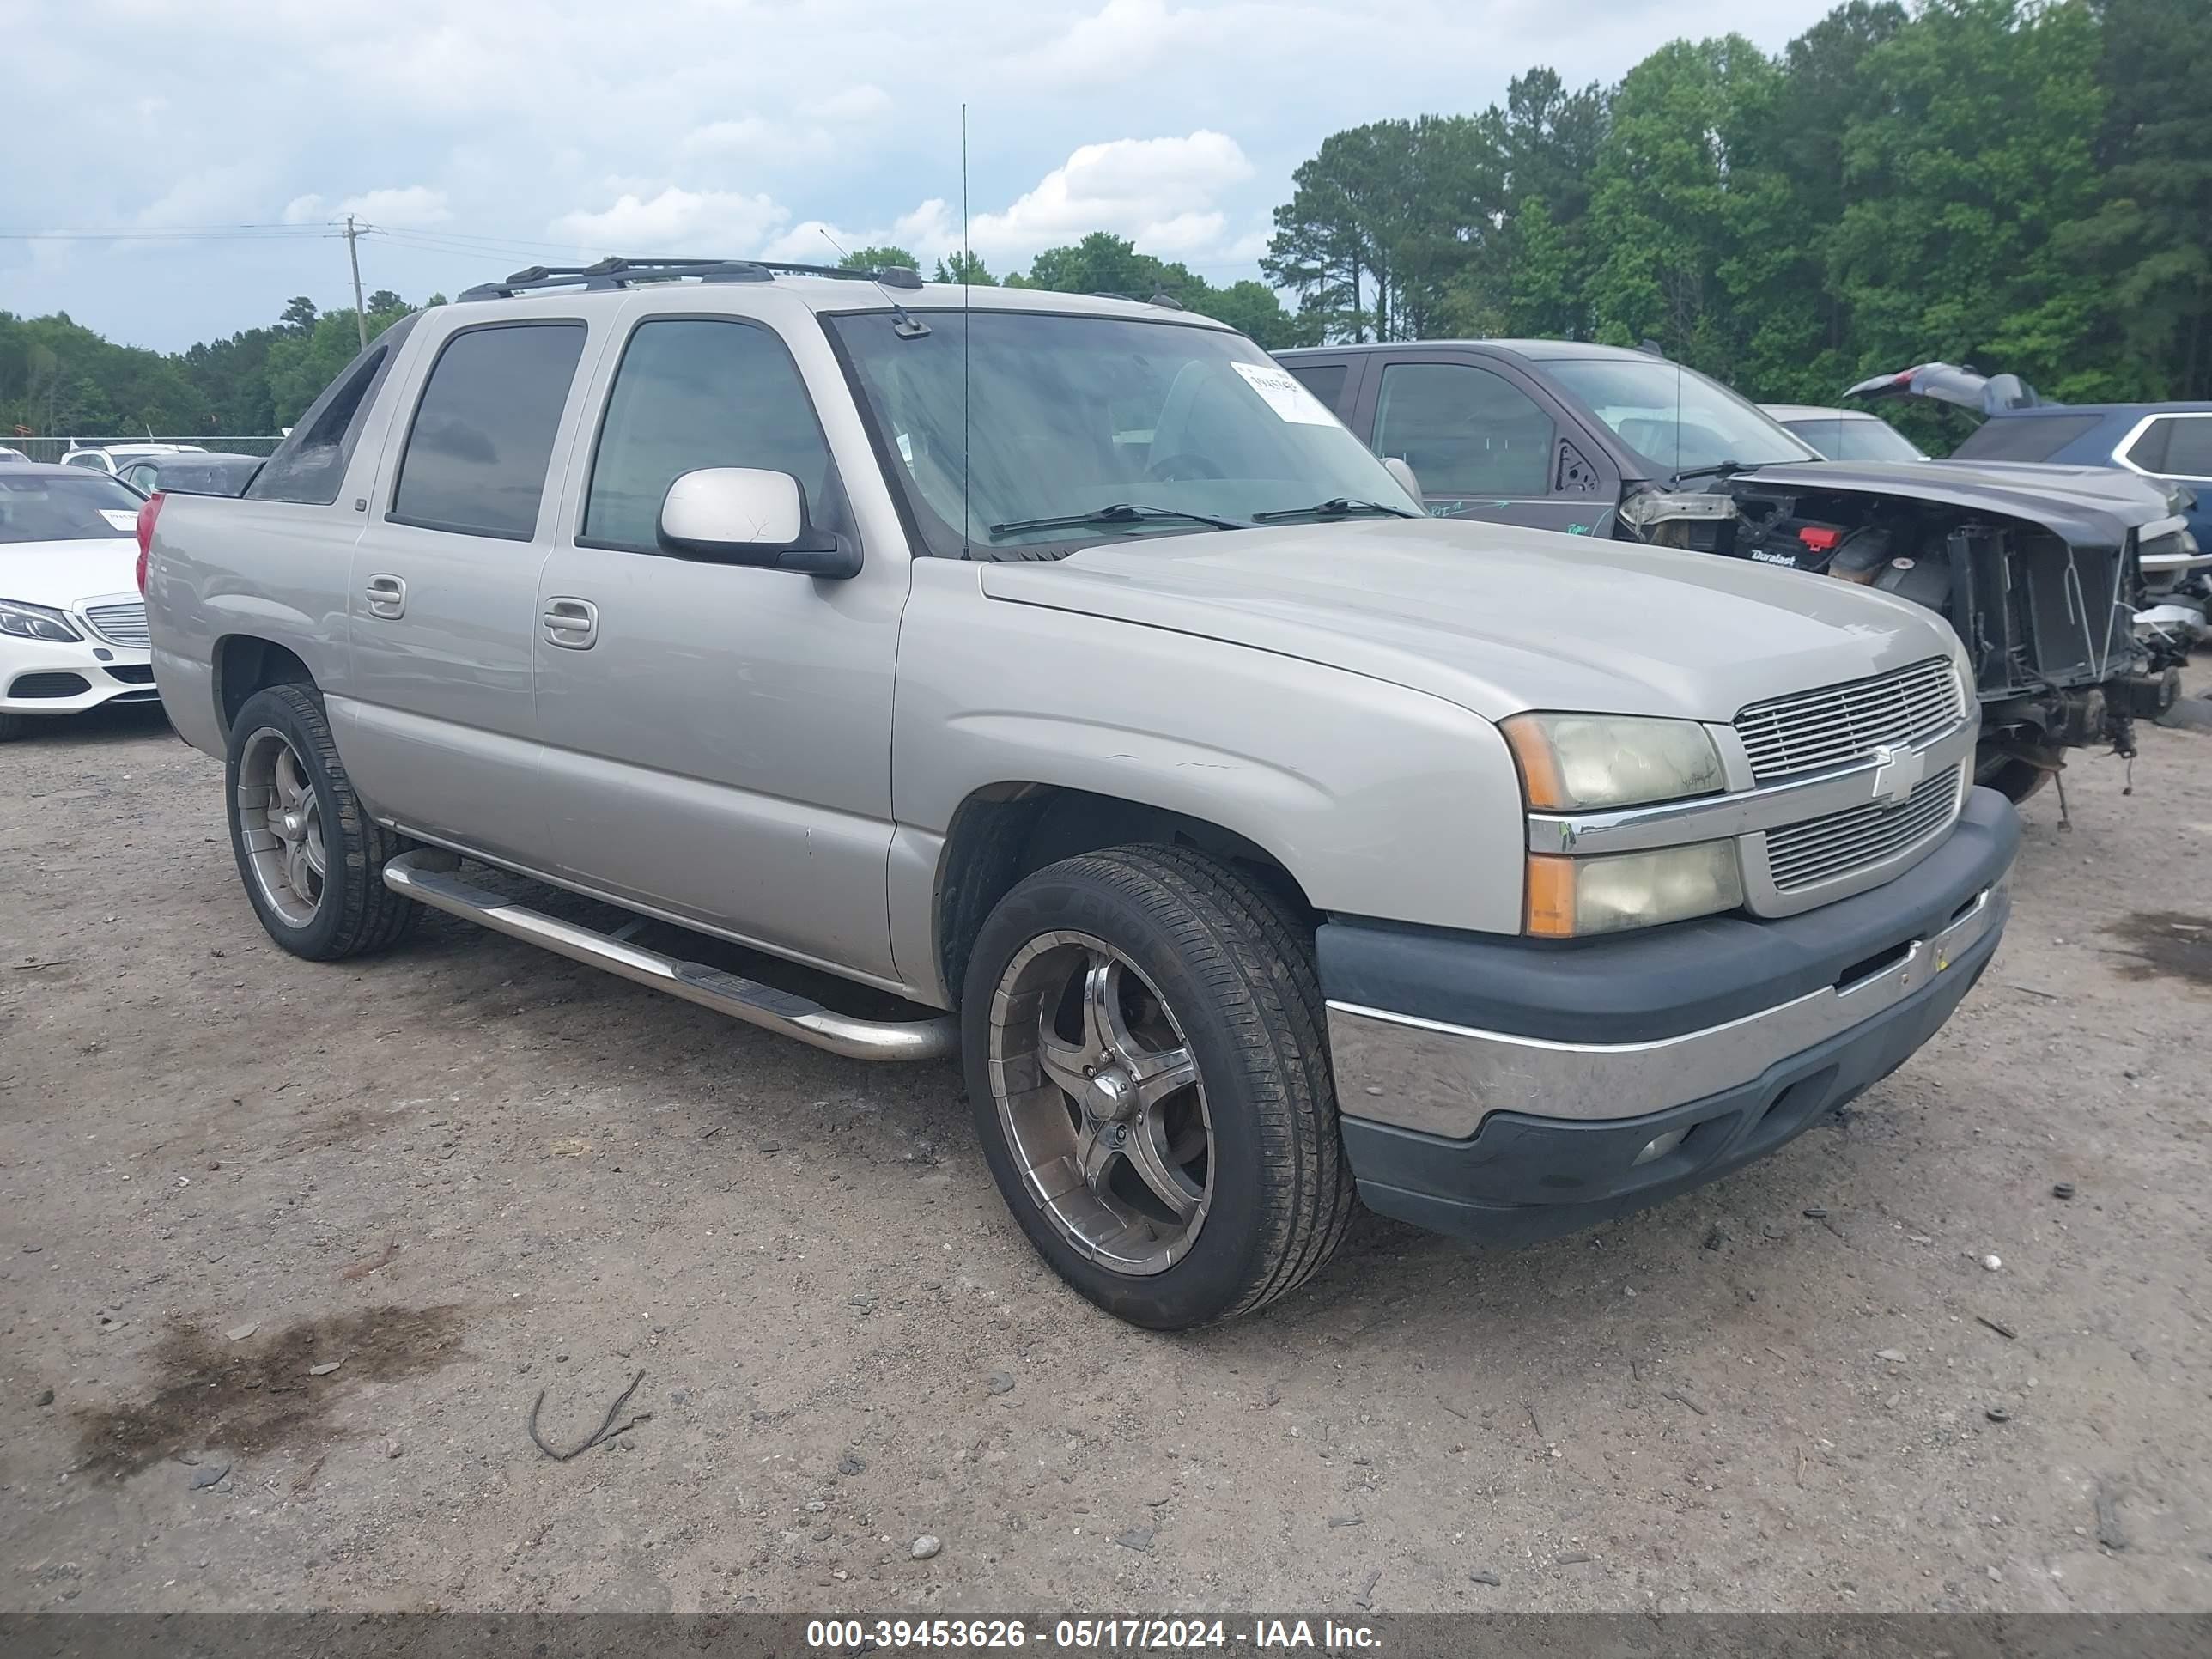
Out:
{"x": 870, "y": 258}
{"x": 299, "y": 367}
{"x": 1663, "y": 205}
{"x": 1254, "y": 308}
{"x": 1973, "y": 151}
{"x": 965, "y": 268}
{"x": 2147, "y": 244}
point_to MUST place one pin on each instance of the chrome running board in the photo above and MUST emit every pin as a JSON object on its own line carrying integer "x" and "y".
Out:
{"x": 433, "y": 878}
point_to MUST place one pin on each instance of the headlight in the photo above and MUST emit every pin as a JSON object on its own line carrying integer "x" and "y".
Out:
{"x": 1573, "y": 762}
{"x": 1569, "y": 898}
{"x": 34, "y": 622}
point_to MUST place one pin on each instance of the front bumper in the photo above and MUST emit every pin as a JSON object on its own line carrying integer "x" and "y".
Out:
{"x": 67, "y": 677}
{"x": 1473, "y": 1102}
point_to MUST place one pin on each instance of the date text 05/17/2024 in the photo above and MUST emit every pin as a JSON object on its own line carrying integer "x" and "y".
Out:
{"x": 1086, "y": 1635}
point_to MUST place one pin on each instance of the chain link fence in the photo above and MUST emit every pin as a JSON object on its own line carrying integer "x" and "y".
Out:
{"x": 53, "y": 449}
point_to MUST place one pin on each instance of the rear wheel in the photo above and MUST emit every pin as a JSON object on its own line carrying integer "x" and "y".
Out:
{"x": 311, "y": 858}
{"x": 1145, "y": 1056}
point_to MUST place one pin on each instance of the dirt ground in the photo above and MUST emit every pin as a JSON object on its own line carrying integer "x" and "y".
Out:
{"x": 470, "y": 1173}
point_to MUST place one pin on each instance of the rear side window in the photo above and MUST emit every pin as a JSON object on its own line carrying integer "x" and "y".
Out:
{"x": 310, "y": 465}
{"x": 2178, "y": 446}
{"x": 2024, "y": 438}
{"x": 1464, "y": 430}
{"x": 696, "y": 392}
{"x": 477, "y": 457}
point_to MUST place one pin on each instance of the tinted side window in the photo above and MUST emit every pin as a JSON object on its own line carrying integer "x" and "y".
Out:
{"x": 694, "y": 393}
{"x": 1324, "y": 381}
{"x": 1464, "y": 430}
{"x": 310, "y": 465}
{"x": 2024, "y": 438}
{"x": 2188, "y": 447}
{"x": 477, "y": 457}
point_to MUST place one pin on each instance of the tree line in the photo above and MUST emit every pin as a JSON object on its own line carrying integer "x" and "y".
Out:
{"x": 2023, "y": 184}
{"x": 2026, "y": 185}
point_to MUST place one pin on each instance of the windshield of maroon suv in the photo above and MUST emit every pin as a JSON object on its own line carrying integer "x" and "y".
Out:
{"x": 1674, "y": 417}
{"x": 1020, "y": 434}
{"x": 61, "y": 507}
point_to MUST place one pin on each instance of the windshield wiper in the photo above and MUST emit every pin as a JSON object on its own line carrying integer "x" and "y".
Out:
{"x": 1119, "y": 513}
{"x": 1718, "y": 470}
{"x": 1337, "y": 506}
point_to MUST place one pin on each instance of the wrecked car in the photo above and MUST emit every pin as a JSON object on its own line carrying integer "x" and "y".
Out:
{"x": 2040, "y": 575}
{"x": 2168, "y": 447}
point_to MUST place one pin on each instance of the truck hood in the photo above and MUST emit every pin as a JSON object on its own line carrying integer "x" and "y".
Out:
{"x": 1496, "y": 618}
{"x": 2081, "y": 511}
{"x": 62, "y": 575}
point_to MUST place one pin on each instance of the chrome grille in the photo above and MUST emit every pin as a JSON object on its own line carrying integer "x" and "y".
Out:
{"x": 1821, "y": 849}
{"x": 1839, "y": 724}
{"x": 119, "y": 625}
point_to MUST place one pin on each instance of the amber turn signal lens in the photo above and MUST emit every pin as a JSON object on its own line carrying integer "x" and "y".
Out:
{"x": 1551, "y": 897}
{"x": 1538, "y": 763}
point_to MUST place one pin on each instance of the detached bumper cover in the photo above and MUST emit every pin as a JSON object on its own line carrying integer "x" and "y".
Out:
{"x": 1474, "y": 1102}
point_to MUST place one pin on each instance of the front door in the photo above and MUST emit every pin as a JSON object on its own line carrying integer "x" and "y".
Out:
{"x": 1484, "y": 447}
{"x": 441, "y": 615}
{"x": 717, "y": 736}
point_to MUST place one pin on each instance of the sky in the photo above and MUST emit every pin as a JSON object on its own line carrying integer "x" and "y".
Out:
{"x": 235, "y": 135}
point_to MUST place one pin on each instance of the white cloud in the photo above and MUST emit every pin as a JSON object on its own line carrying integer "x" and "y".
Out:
{"x": 862, "y": 103}
{"x": 462, "y": 122}
{"x": 394, "y": 210}
{"x": 677, "y": 220}
{"x": 928, "y": 233}
{"x": 417, "y": 205}
{"x": 1162, "y": 193}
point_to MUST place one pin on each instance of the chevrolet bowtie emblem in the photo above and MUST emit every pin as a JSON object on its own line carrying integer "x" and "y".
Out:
{"x": 1896, "y": 774}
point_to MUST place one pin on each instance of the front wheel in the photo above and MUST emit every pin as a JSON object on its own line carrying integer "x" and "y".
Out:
{"x": 1144, "y": 1048}
{"x": 310, "y": 857}
{"x": 2010, "y": 774}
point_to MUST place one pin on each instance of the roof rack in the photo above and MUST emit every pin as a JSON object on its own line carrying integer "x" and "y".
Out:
{"x": 617, "y": 272}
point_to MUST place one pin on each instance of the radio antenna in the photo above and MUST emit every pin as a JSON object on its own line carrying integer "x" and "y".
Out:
{"x": 832, "y": 240}
{"x": 967, "y": 330}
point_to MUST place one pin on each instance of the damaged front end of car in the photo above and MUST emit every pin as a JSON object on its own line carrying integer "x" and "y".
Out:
{"x": 2042, "y": 583}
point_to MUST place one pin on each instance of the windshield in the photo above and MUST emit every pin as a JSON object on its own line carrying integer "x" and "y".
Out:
{"x": 1075, "y": 415}
{"x": 1855, "y": 438}
{"x": 64, "y": 507}
{"x": 1674, "y": 417}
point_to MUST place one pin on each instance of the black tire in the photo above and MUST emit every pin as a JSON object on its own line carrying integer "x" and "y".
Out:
{"x": 13, "y": 727}
{"x": 1235, "y": 971}
{"x": 2010, "y": 776}
{"x": 356, "y": 913}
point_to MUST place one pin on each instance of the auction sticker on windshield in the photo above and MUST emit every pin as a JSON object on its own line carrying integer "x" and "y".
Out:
{"x": 1282, "y": 394}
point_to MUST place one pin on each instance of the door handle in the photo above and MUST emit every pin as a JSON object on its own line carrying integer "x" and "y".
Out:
{"x": 573, "y": 624}
{"x": 387, "y": 595}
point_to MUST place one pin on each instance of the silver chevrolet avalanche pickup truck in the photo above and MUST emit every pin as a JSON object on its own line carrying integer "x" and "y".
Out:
{"x": 1058, "y": 675}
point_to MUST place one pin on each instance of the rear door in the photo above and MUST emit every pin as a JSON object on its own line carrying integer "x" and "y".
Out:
{"x": 1486, "y": 442}
{"x": 717, "y": 736}
{"x": 442, "y": 618}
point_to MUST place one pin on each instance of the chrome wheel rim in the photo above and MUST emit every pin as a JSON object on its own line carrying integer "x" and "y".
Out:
{"x": 280, "y": 823}
{"x": 1101, "y": 1104}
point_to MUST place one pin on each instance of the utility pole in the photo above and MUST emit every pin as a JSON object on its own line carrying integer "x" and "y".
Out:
{"x": 353, "y": 254}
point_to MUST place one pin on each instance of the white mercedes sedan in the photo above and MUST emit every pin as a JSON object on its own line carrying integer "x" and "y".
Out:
{"x": 72, "y": 620}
